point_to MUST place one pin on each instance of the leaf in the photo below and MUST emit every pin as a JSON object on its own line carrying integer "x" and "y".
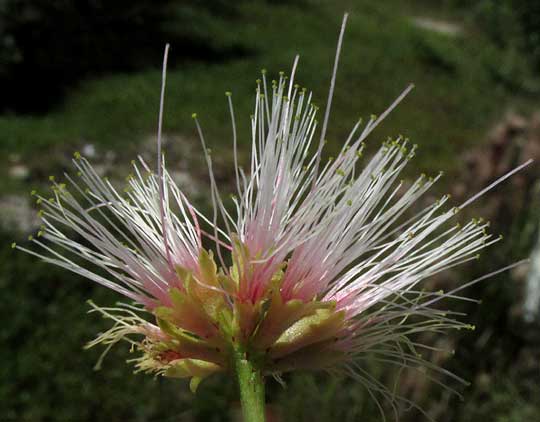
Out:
{"x": 195, "y": 369}
{"x": 240, "y": 253}
{"x": 208, "y": 268}
{"x": 322, "y": 325}
{"x": 281, "y": 316}
{"x": 194, "y": 384}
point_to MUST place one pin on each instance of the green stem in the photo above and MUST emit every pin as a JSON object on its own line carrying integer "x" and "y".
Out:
{"x": 251, "y": 383}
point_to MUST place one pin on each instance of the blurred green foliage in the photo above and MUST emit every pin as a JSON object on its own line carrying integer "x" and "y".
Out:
{"x": 512, "y": 24}
{"x": 447, "y": 110}
{"x": 463, "y": 84}
{"x": 49, "y": 44}
{"x": 502, "y": 401}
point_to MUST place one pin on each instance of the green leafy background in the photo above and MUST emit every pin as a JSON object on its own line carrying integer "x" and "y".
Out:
{"x": 76, "y": 73}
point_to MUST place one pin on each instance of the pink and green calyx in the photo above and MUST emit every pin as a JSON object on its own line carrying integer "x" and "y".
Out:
{"x": 206, "y": 325}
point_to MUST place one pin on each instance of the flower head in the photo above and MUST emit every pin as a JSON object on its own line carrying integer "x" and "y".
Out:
{"x": 315, "y": 266}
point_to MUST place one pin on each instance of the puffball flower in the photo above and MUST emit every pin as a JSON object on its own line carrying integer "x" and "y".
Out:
{"x": 316, "y": 266}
